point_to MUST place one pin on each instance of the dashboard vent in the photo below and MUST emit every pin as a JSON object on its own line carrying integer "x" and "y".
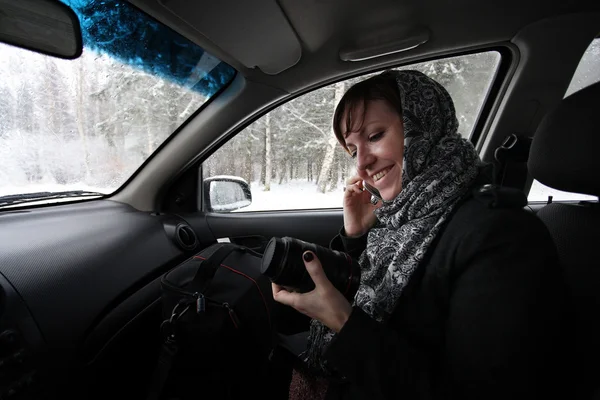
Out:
{"x": 186, "y": 237}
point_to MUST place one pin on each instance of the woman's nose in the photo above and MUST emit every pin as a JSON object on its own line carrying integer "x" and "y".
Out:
{"x": 364, "y": 158}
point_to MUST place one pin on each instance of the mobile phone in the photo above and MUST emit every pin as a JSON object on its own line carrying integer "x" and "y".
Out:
{"x": 375, "y": 195}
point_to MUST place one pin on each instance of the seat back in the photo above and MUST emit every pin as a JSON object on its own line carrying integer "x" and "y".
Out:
{"x": 564, "y": 156}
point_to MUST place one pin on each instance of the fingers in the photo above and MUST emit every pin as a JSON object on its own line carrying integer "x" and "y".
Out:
{"x": 356, "y": 195}
{"x": 298, "y": 300}
{"x": 283, "y": 296}
{"x": 353, "y": 179}
{"x": 315, "y": 270}
{"x": 353, "y": 185}
{"x": 276, "y": 288}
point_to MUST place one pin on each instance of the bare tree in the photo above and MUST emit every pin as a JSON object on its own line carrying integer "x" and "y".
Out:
{"x": 81, "y": 121}
{"x": 324, "y": 174}
{"x": 268, "y": 155}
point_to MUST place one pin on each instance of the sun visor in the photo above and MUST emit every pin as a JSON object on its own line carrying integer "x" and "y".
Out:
{"x": 272, "y": 47}
{"x": 381, "y": 44}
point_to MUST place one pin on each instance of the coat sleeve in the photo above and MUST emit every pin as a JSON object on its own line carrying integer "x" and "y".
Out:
{"x": 354, "y": 246}
{"x": 501, "y": 333}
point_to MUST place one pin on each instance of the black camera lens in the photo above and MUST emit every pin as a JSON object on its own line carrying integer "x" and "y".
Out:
{"x": 282, "y": 263}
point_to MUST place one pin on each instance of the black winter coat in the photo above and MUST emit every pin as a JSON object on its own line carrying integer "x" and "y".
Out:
{"x": 481, "y": 318}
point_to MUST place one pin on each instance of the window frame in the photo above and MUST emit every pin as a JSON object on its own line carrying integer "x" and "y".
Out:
{"x": 479, "y": 131}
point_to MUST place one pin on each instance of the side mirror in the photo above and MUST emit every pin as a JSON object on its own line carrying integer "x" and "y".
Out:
{"x": 226, "y": 193}
{"x": 45, "y": 26}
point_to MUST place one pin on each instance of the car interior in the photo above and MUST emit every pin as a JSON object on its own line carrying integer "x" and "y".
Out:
{"x": 80, "y": 271}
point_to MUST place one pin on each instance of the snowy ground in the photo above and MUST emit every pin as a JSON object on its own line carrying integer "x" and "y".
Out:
{"x": 294, "y": 195}
{"x": 304, "y": 195}
{"x": 540, "y": 192}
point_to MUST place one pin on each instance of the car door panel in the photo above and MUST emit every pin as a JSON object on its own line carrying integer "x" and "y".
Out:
{"x": 315, "y": 226}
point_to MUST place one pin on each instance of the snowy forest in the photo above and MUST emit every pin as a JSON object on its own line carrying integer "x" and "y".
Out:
{"x": 86, "y": 123}
{"x": 296, "y": 140}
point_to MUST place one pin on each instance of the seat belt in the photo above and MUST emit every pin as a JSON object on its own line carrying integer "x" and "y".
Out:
{"x": 511, "y": 161}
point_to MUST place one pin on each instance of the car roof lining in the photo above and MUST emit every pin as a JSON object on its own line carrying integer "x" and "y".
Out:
{"x": 279, "y": 47}
{"x": 323, "y": 27}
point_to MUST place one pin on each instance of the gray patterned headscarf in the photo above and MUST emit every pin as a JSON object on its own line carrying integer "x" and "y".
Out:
{"x": 439, "y": 169}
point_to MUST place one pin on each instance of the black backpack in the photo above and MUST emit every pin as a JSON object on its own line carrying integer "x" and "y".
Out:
{"x": 217, "y": 329}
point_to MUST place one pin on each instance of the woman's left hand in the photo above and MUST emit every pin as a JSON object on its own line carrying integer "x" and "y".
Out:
{"x": 324, "y": 303}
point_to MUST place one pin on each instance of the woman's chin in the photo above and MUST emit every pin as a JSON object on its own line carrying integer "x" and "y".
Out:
{"x": 389, "y": 194}
{"x": 390, "y": 185}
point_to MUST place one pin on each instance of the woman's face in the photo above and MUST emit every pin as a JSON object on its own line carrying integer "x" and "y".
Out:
{"x": 378, "y": 147}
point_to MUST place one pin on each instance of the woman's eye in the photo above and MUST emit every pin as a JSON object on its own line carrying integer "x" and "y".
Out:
{"x": 375, "y": 137}
{"x": 353, "y": 154}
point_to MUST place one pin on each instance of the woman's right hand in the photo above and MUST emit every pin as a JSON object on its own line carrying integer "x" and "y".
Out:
{"x": 358, "y": 210}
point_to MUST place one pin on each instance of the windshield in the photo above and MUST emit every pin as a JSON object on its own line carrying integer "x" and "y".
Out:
{"x": 90, "y": 123}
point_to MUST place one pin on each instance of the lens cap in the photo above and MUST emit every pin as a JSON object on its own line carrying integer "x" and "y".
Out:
{"x": 273, "y": 255}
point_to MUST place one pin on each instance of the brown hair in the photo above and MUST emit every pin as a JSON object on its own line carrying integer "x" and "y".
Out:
{"x": 379, "y": 87}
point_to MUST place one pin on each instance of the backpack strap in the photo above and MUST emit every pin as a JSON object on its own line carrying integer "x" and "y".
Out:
{"x": 161, "y": 371}
{"x": 209, "y": 265}
{"x": 166, "y": 357}
{"x": 206, "y": 272}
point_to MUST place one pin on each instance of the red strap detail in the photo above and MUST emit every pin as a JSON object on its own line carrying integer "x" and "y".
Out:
{"x": 250, "y": 278}
{"x": 232, "y": 320}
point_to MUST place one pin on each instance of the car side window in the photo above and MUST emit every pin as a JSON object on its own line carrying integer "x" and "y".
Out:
{"x": 290, "y": 157}
{"x": 586, "y": 74}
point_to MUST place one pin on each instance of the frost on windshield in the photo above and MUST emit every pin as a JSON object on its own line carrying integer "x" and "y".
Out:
{"x": 133, "y": 38}
{"x": 89, "y": 123}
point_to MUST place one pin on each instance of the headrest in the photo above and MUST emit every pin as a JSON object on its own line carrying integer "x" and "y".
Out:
{"x": 565, "y": 152}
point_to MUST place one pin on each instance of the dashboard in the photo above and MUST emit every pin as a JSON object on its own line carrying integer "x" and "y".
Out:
{"x": 80, "y": 297}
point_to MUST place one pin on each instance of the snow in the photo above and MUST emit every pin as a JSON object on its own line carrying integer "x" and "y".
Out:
{"x": 300, "y": 194}
{"x": 228, "y": 177}
{"x": 294, "y": 195}
{"x": 539, "y": 192}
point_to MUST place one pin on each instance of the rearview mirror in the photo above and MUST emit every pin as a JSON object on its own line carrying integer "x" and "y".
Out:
{"x": 44, "y": 26}
{"x": 226, "y": 193}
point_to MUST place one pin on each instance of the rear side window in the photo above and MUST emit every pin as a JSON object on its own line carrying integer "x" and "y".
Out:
{"x": 587, "y": 73}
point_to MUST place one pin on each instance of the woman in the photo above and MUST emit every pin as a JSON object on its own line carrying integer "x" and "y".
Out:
{"x": 458, "y": 298}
